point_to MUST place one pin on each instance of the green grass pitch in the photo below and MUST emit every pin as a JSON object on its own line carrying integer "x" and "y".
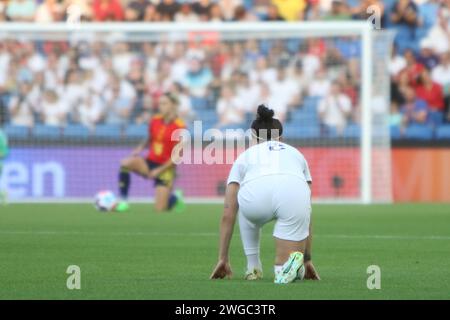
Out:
{"x": 144, "y": 255}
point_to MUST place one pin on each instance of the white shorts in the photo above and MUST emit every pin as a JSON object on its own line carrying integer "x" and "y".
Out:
{"x": 285, "y": 198}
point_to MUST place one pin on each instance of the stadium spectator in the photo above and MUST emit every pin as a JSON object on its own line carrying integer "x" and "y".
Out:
{"x": 311, "y": 60}
{"x": 405, "y": 12}
{"x": 241, "y": 14}
{"x": 81, "y": 6}
{"x": 397, "y": 63}
{"x": 135, "y": 10}
{"x": 439, "y": 35}
{"x": 118, "y": 102}
{"x": 291, "y": 10}
{"x": 147, "y": 110}
{"x": 230, "y": 109}
{"x": 248, "y": 92}
{"x": 366, "y": 8}
{"x": 335, "y": 108}
{"x": 268, "y": 98}
{"x": 339, "y": 11}
{"x": 20, "y": 108}
{"x": 107, "y": 10}
{"x": 38, "y": 88}
{"x": 273, "y": 14}
{"x": 74, "y": 91}
{"x": 285, "y": 89}
{"x": 198, "y": 78}
{"x": 167, "y": 9}
{"x": 262, "y": 71}
{"x": 21, "y": 10}
{"x": 427, "y": 57}
{"x": 228, "y": 8}
{"x": 398, "y": 89}
{"x": 186, "y": 14}
{"x": 405, "y": 18}
{"x": 3, "y": 6}
{"x": 313, "y": 11}
{"x": 430, "y": 92}
{"x": 202, "y": 8}
{"x": 414, "y": 110}
{"x": 53, "y": 110}
{"x": 122, "y": 58}
{"x": 5, "y": 60}
{"x": 137, "y": 79}
{"x": 441, "y": 75}
{"x": 149, "y": 69}
{"x": 49, "y": 11}
{"x": 151, "y": 14}
{"x": 185, "y": 110}
{"x": 395, "y": 117}
{"x": 320, "y": 85}
{"x": 348, "y": 87}
{"x": 413, "y": 68}
{"x": 90, "y": 110}
{"x": 215, "y": 13}
{"x": 298, "y": 75}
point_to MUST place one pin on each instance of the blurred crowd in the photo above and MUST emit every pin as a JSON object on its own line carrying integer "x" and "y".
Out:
{"x": 92, "y": 82}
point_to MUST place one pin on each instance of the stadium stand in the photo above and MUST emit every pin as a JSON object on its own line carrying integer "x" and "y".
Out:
{"x": 422, "y": 45}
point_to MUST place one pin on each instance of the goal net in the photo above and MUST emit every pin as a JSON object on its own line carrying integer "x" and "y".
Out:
{"x": 75, "y": 99}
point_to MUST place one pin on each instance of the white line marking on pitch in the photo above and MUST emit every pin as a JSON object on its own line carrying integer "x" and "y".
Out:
{"x": 213, "y": 234}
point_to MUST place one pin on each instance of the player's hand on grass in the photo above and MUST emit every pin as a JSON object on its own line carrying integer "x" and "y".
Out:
{"x": 310, "y": 271}
{"x": 222, "y": 270}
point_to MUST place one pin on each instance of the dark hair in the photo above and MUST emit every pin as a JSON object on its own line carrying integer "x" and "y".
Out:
{"x": 265, "y": 126}
{"x": 172, "y": 97}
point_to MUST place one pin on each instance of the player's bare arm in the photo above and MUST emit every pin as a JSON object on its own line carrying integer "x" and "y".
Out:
{"x": 223, "y": 267}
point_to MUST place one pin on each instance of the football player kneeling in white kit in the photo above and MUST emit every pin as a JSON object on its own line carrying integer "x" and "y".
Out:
{"x": 269, "y": 181}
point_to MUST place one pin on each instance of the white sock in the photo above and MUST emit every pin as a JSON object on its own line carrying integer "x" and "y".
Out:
{"x": 277, "y": 269}
{"x": 253, "y": 262}
{"x": 250, "y": 236}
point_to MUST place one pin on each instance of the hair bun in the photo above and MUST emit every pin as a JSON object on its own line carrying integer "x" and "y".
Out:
{"x": 264, "y": 113}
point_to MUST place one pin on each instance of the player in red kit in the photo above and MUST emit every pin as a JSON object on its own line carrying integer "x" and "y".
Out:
{"x": 158, "y": 165}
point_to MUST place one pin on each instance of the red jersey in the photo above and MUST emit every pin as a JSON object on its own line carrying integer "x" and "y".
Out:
{"x": 433, "y": 96}
{"x": 161, "y": 142}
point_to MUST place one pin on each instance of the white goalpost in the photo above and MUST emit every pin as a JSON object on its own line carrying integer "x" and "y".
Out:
{"x": 311, "y": 67}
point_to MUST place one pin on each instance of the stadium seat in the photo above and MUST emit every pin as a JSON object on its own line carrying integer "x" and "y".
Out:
{"x": 17, "y": 132}
{"x": 293, "y": 131}
{"x": 42, "y": 131}
{"x": 436, "y": 117}
{"x": 307, "y": 114}
{"x": 395, "y": 132}
{"x": 76, "y": 131}
{"x": 352, "y": 131}
{"x": 108, "y": 131}
{"x": 136, "y": 131}
{"x": 443, "y": 132}
{"x": 419, "y": 132}
{"x": 199, "y": 103}
{"x": 329, "y": 132}
{"x": 292, "y": 45}
{"x": 207, "y": 115}
{"x": 310, "y": 104}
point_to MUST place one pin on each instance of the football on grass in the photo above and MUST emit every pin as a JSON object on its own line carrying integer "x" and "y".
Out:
{"x": 105, "y": 201}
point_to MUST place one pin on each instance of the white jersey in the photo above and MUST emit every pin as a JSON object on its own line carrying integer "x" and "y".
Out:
{"x": 269, "y": 158}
